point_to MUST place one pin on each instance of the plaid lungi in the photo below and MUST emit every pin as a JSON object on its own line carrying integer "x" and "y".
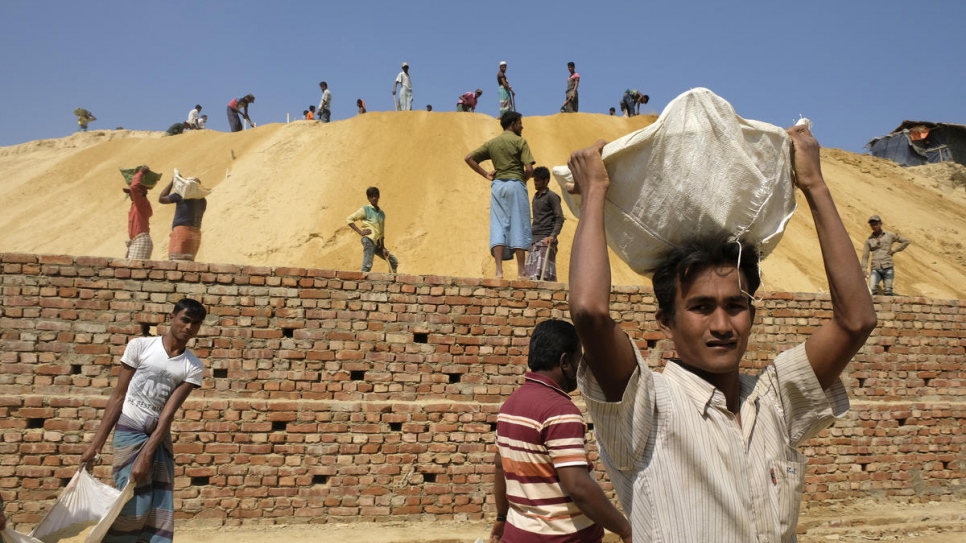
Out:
{"x": 149, "y": 515}
{"x": 184, "y": 243}
{"x": 540, "y": 253}
{"x": 140, "y": 247}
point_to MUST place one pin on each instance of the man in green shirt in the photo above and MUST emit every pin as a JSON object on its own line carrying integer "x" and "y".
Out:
{"x": 509, "y": 203}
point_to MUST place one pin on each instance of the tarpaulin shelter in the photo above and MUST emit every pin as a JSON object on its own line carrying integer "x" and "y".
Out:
{"x": 915, "y": 143}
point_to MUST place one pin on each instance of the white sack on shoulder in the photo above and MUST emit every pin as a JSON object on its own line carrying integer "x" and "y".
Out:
{"x": 190, "y": 188}
{"x": 85, "y": 499}
{"x": 699, "y": 169}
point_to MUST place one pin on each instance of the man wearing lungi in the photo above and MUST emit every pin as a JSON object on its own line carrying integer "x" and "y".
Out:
{"x": 404, "y": 101}
{"x": 186, "y": 227}
{"x": 157, "y": 375}
{"x": 507, "y": 94}
{"x": 139, "y": 244}
{"x": 548, "y": 220}
{"x": 509, "y": 209}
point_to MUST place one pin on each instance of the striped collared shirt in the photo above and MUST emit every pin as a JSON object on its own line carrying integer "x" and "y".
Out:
{"x": 538, "y": 430}
{"x": 686, "y": 471}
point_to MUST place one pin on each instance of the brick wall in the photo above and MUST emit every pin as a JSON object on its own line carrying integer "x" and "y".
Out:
{"x": 338, "y": 396}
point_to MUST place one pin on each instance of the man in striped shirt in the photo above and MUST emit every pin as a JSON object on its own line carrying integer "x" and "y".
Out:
{"x": 701, "y": 452}
{"x": 542, "y": 485}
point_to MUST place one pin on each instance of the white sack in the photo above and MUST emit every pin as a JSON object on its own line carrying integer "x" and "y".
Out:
{"x": 85, "y": 499}
{"x": 9, "y": 535}
{"x": 699, "y": 169}
{"x": 190, "y": 188}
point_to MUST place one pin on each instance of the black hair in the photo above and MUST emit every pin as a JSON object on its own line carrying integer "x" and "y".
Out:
{"x": 683, "y": 264}
{"x": 550, "y": 339}
{"x": 193, "y": 308}
{"x": 306, "y": 112}
{"x": 541, "y": 172}
{"x": 324, "y": 83}
{"x": 571, "y": 64}
{"x": 372, "y": 191}
{"x": 311, "y": 108}
{"x": 198, "y": 107}
{"x": 647, "y": 98}
{"x": 509, "y": 118}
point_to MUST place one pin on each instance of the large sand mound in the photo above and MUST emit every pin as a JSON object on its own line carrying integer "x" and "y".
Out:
{"x": 289, "y": 188}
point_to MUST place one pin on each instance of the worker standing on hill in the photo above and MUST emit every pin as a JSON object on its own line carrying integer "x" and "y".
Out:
{"x": 361, "y": 104}
{"x": 510, "y": 231}
{"x": 541, "y": 466}
{"x": 507, "y": 94}
{"x": 404, "y": 101}
{"x": 548, "y": 221}
{"x": 139, "y": 244}
{"x": 373, "y": 231}
{"x": 239, "y": 106}
{"x": 325, "y": 105}
{"x": 156, "y": 376}
{"x": 573, "y": 81}
{"x": 185, "y": 238}
{"x": 467, "y": 101}
{"x": 701, "y": 451}
{"x": 879, "y": 245}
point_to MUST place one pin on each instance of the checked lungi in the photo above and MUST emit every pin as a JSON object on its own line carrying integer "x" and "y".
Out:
{"x": 539, "y": 253}
{"x": 140, "y": 248}
{"x": 149, "y": 515}
{"x": 184, "y": 243}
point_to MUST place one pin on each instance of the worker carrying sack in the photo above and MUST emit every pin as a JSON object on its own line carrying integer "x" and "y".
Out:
{"x": 85, "y": 506}
{"x": 700, "y": 169}
{"x": 190, "y": 188}
{"x": 149, "y": 179}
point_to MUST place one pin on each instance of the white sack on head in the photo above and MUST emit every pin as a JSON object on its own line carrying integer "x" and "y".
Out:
{"x": 699, "y": 169}
{"x": 190, "y": 188}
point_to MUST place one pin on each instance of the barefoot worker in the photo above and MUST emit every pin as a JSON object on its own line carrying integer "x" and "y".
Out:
{"x": 510, "y": 231}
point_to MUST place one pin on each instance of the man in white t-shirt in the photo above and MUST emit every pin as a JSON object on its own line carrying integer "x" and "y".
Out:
{"x": 157, "y": 375}
{"x": 192, "y": 121}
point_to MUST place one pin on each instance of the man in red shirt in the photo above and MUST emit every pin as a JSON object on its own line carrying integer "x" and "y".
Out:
{"x": 139, "y": 244}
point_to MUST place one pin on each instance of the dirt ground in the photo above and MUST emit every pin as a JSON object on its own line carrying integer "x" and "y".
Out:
{"x": 864, "y": 521}
{"x": 282, "y": 193}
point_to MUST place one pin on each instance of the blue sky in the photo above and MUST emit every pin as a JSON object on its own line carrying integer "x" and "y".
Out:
{"x": 857, "y": 69}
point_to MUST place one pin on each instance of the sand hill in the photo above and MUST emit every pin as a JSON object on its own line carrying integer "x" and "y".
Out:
{"x": 282, "y": 192}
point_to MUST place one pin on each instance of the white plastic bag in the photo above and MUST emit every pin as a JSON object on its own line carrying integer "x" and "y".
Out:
{"x": 84, "y": 500}
{"x": 699, "y": 169}
{"x": 190, "y": 188}
{"x": 9, "y": 535}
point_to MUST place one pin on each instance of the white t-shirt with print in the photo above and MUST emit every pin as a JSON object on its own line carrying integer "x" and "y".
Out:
{"x": 156, "y": 376}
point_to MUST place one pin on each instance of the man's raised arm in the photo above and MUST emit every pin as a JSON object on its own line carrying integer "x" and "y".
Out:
{"x": 833, "y": 345}
{"x": 607, "y": 349}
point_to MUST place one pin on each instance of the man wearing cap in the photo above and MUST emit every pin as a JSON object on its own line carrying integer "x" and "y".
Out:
{"x": 879, "y": 245}
{"x": 405, "y": 98}
{"x": 507, "y": 102}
